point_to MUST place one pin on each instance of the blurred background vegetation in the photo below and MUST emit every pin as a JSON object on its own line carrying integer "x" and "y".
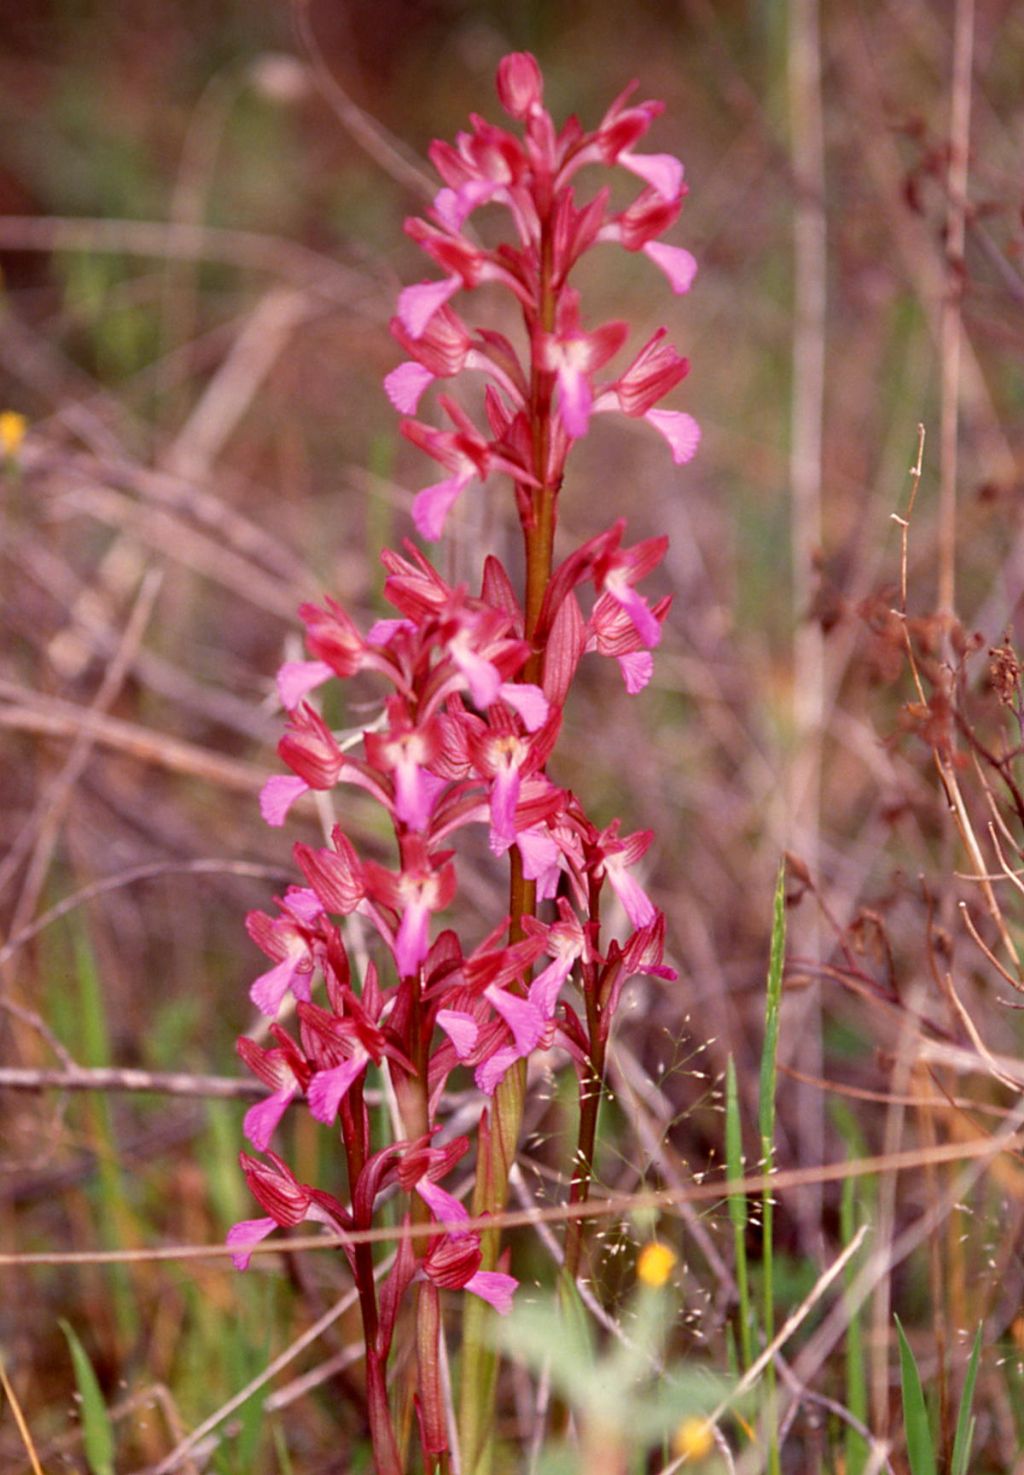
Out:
{"x": 201, "y": 244}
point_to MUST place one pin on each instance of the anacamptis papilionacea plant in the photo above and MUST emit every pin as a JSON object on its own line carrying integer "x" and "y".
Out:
{"x": 473, "y": 688}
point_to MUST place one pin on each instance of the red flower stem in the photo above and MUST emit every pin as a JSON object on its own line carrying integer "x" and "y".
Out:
{"x": 497, "y": 1149}
{"x": 386, "y": 1458}
{"x": 355, "y": 1155}
{"x": 423, "y": 1372}
{"x": 382, "y": 1433}
{"x": 591, "y": 1091}
{"x": 540, "y": 533}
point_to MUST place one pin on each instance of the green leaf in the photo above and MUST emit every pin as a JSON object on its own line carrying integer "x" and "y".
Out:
{"x": 965, "y": 1421}
{"x": 680, "y": 1393}
{"x": 920, "y": 1450}
{"x": 540, "y": 1336}
{"x": 97, "y": 1430}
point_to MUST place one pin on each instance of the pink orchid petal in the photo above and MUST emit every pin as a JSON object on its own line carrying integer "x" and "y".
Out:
{"x": 494, "y": 1287}
{"x": 461, "y": 1028}
{"x": 261, "y": 1120}
{"x": 278, "y": 795}
{"x": 405, "y": 385}
{"x": 383, "y": 631}
{"x": 663, "y": 172}
{"x": 504, "y": 798}
{"x": 296, "y": 679}
{"x": 490, "y": 1072}
{"x": 575, "y": 400}
{"x": 636, "y": 903}
{"x": 416, "y": 791}
{"x": 548, "y": 884}
{"x": 453, "y": 207}
{"x": 443, "y": 1205}
{"x": 681, "y": 431}
{"x": 327, "y": 1087}
{"x": 412, "y": 942}
{"x": 523, "y": 1018}
{"x": 433, "y": 504}
{"x": 539, "y": 852}
{"x": 481, "y": 675}
{"x": 449, "y": 209}
{"x": 245, "y": 1235}
{"x": 678, "y": 264}
{"x": 545, "y": 988}
{"x": 644, "y": 623}
{"x": 304, "y": 903}
{"x": 637, "y": 669}
{"x": 270, "y": 988}
{"x": 528, "y": 700}
{"x": 417, "y": 304}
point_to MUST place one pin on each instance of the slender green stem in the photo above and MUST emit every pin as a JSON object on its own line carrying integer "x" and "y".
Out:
{"x": 738, "y": 1211}
{"x": 766, "y": 1126}
{"x": 499, "y": 1137}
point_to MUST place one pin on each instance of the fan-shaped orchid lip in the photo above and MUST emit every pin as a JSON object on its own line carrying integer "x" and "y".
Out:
{"x": 405, "y": 385}
{"x": 495, "y": 1287}
{"x": 328, "y": 1087}
{"x": 244, "y": 1236}
{"x": 418, "y": 303}
{"x": 278, "y": 795}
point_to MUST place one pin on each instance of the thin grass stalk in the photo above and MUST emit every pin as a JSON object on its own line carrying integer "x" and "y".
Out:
{"x": 738, "y": 1211}
{"x": 766, "y": 1129}
{"x": 810, "y": 255}
{"x": 856, "y": 1447}
{"x": 951, "y": 331}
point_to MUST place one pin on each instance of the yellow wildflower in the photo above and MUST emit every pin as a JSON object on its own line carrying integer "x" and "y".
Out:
{"x": 12, "y": 431}
{"x": 693, "y": 1439}
{"x": 655, "y": 1264}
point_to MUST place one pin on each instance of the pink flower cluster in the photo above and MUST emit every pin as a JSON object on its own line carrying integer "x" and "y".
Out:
{"x": 532, "y": 178}
{"x": 459, "y": 742}
{"x": 471, "y": 689}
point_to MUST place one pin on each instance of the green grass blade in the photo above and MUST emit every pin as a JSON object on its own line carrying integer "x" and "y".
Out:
{"x": 97, "y": 1430}
{"x": 855, "y": 1208}
{"x": 856, "y": 1377}
{"x": 738, "y": 1210}
{"x": 769, "y": 1054}
{"x": 116, "y": 1220}
{"x": 920, "y": 1449}
{"x": 766, "y": 1129}
{"x": 284, "y": 1459}
{"x": 965, "y": 1420}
